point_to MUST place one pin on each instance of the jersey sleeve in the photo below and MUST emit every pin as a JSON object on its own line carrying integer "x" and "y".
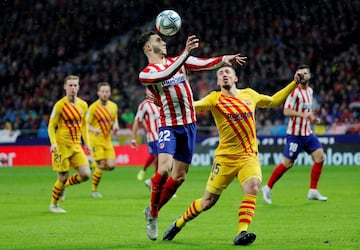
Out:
{"x": 84, "y": 126}
{"x": 115, "y": 118}
{"x": 140, "y": 113}
{"x": 152, "y": 75}
{"x": 291, "y": 100}
{"x": 53, "y": 122}
{"x": 195, "y": 63}
{"x": 206, "y": 103}
{"x": 90, "y": 114}
{"x": 278, "y": 98}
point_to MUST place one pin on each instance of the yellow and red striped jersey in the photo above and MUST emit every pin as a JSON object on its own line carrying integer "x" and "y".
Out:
{"x": 235, "y": 119}
{"x": 67, "y": 122}
{"x": 102, "y": 117}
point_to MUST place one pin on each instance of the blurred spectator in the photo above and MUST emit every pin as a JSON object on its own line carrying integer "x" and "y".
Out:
{"x": 42, "y": 41}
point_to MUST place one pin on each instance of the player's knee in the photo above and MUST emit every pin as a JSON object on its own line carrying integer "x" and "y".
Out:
{"x": 85, "y": 175}
{"x": 320, "y": 159}
{"x": 207, "y": 204}
{"x": 179, "y": 179}
{"x": 110, "y": 168}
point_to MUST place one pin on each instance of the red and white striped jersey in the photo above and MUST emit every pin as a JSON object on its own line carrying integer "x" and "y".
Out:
{"x": 299, "y": 100}
{"x": 169, "y": 84}
{"x": 149, "y": 113}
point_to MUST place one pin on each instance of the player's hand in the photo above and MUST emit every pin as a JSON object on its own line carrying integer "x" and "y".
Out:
{"x": 53, "y": 148}
{"x": 115, "y": 129}
{"x": 237, "y": 58}
{"x": 298, "y": 77}
{"x": 192, "y": 43}
{"x": 311, "y": 118}
{"x": 133, "y": 144}
{"x": 153, "y": 99}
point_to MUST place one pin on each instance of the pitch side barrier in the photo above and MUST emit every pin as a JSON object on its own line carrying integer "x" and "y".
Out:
{"x": 340, "y": 150}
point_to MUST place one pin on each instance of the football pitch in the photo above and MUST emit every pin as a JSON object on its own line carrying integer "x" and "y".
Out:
{"x": 116, "y": 221}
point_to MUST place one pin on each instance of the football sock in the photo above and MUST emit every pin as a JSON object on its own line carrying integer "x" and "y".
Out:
{"x": 74, "y": 179}
{"x": 315, "y": 174}
{"x": 157, "y": 181}
{"x": 96, "y": 179}
{"x": 169, "y": 189}
{"x": 58, "y": 188}
{"x": 191, "y": 213}
{"x": 276, "y": 174}
{"x": 246, "y": 212}
{"x": 149, "y": 161}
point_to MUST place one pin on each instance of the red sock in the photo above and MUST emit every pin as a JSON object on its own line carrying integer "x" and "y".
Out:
{"x": 168, "y": 191}
{"x": 149, "y": 161}
{"x": 157, "y": 181}
{"x": 276, "y": 174}
{"x": 315, "y": 174}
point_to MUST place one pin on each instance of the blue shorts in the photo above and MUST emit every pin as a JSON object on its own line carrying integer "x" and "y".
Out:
{"x": 152, "y": 147}
{"x": 296, "y": 144}
{"x": 179, "y": 141}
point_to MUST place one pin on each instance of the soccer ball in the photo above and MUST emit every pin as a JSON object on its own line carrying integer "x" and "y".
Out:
{"x": 168, "y": 22}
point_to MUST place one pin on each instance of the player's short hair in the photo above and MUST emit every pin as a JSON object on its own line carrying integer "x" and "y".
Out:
{"x": 227, "y": 66}
{"x": 100, "y": 84}
{"x": 303, "y": 66}
{"x": 71, "y": 77}
{"x": 144, "y": 38}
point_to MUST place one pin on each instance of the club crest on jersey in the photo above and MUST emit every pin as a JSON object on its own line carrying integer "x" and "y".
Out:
{"x": 247, "y": 102}
{"x": 162, "y": 145}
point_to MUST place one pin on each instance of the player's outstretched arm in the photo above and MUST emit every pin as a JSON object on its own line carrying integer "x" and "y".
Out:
{"x": 237, "y": 58}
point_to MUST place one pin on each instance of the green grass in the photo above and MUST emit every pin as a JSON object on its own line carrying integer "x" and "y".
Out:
{"x": 117, "y": 222}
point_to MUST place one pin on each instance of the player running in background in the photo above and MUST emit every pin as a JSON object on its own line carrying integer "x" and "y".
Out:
{"x": 102, "y": 120}
{"x": 66, "y": 127}
{"x": 237, "y": 153}
{"x": 298, "y": 107}
{"x": 168, "y": 81}
{"x": 148, "y": 115}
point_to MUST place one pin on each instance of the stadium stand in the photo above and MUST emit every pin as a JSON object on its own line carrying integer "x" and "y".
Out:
{"x": 43, "y": 41}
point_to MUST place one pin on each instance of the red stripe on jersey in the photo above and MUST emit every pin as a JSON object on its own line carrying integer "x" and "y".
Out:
{"x": 69, "y": 112}
{"x": 191, "y": 102}
{"x": 302, "y": 120}
{"x": 181, "y": 102}
{"x": 171, "y": 107}
{"x": 241, "y": 112}
{"x": 212, "y": 62}
{"x": 102, "y": 116}
{"x": 231, "y": 122}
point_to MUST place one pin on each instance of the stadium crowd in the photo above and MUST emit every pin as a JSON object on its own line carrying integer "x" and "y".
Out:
{"x": 43, "y": 41}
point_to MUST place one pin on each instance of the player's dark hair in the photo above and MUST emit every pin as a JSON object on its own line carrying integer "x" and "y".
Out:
{"x": 303, "y": 66}
{"x": 143, "y": 38}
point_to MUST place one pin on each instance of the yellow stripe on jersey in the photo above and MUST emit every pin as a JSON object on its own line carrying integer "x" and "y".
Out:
{"x": 102, "y": 117}
{"x": 235, "y": 120}
{"x": 240, "y": 118}
{"x": 66, "y": 121}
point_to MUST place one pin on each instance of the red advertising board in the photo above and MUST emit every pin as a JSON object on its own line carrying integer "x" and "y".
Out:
{"x": 22, "y": 156}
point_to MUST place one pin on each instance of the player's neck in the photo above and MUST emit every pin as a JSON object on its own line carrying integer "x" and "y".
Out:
{"x": 304, "y": 86}
{"x": 157, "y": 58}
{"x": 103, "y": 102}
{"x": 229, "y": 92}
{"x": 71, "y": 99}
